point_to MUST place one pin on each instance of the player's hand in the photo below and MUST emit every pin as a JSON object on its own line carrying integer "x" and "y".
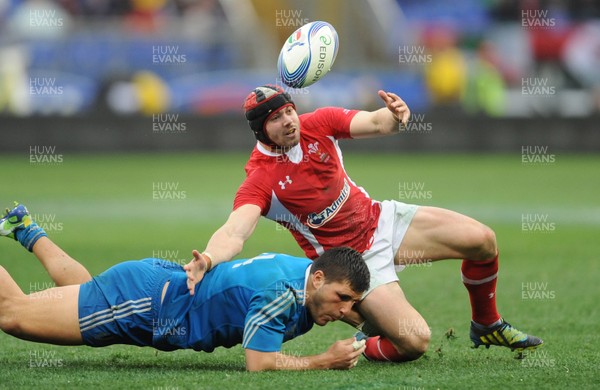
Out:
{"x": 342, "y": 354}
{"x": 195, "y": 270}
{"x": 397, "y": 106}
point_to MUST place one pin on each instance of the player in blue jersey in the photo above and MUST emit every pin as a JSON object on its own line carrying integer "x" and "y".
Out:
{"x": 259, "y": 302}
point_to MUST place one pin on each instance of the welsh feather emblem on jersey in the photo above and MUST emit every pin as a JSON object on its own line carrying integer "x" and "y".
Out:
{"x": 283, "y": 183}
{"x": 314, "y": 149}
{"x": 316, "y": 220}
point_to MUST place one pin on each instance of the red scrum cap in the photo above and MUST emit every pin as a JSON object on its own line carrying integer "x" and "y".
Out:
{"x": 260, "y": 104}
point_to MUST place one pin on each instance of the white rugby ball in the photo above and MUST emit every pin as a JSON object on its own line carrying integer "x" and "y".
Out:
{"x": 308, "y": 54}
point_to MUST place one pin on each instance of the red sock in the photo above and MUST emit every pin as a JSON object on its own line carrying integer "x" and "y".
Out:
{"x": 381, "y": 349}
{"x": 479, "y": 277}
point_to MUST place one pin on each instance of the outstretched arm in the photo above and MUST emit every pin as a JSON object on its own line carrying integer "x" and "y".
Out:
{"x": 225, "y": 243}
{"x": 342, "y": 355}
{"x": 384, "y": 121}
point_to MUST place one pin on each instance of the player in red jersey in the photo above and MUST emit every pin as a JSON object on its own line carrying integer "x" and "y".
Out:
{"x": 296, "y": 177}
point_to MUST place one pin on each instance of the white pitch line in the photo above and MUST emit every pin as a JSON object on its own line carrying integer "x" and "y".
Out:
{"x": 219, "y": 209}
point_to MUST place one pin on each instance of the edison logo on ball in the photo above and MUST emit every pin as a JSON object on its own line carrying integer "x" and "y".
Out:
{"x": 321, "y": 60}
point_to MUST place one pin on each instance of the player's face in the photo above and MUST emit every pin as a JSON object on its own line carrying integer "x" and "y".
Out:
{"x": 331, "y": 302}
{"x": 283, "y": 127}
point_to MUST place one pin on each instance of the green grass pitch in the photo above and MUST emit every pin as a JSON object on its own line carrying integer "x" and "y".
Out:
{"x": 109, "y": 208}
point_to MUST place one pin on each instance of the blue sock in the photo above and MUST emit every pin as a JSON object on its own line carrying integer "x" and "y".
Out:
{"x": 29, "y": 235}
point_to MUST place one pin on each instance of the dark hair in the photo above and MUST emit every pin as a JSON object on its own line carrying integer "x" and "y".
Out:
{"x": 343, "y": 265}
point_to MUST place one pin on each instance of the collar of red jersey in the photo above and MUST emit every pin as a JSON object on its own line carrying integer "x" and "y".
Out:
{"x": 295, "y": 154}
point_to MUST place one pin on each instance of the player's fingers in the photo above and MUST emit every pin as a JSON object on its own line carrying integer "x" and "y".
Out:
{"x": 384, "y": 96}
{"x": 393, "y": 96}
{"x": 402, "y": 112}
{"x": 190, "y": 287}
{"x": 196, "y": 255}
{"x": 349, "y": 341}
{"x": 357, "y": 352}
{"x": 361, "y": 350}
{"x": 405, "y": 117}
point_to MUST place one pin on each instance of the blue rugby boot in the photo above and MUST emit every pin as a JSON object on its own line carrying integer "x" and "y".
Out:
{"x": 18, "y": 224}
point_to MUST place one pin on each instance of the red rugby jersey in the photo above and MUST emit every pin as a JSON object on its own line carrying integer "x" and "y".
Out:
{"x": 307, "y": 189}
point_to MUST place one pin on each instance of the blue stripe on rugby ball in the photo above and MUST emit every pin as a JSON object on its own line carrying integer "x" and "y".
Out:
{"x": 295, "y": 79}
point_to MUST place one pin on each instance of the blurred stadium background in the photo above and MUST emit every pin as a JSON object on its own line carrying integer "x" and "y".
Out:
{"x": 120, "y": 75}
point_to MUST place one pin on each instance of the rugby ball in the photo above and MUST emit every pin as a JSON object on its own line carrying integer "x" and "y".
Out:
{"x": 308, "y": 54}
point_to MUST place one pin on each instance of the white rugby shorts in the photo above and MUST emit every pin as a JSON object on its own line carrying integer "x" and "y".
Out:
{"x": 392, "y": 226}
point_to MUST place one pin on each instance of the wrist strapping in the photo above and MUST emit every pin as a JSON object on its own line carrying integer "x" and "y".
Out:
{"x": 29, "y": 235}
{"x": 208, "y": 259}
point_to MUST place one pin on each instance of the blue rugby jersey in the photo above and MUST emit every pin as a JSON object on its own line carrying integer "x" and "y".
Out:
{"x": 258, "y": 302}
